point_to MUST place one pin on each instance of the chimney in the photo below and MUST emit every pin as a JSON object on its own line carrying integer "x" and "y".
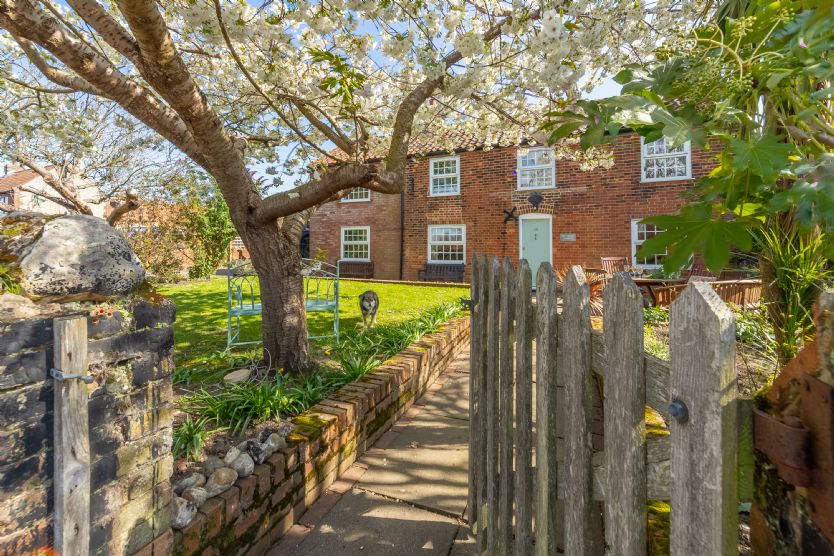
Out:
{"x": 12, "y": 168}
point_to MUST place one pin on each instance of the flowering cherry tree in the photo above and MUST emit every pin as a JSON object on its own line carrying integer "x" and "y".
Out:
{"x": 228, "y": 82}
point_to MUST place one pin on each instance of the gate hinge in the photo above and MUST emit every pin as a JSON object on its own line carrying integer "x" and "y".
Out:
{"x": 59, "y": 375}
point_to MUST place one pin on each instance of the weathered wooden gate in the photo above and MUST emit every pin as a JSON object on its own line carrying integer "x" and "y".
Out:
{"x": 526, "y": 353}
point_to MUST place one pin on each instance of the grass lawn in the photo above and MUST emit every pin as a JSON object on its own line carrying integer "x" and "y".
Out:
{"x": 200, "y": 330}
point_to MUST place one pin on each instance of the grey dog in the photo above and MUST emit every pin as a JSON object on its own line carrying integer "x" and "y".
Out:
{"x": 369, "y": 304}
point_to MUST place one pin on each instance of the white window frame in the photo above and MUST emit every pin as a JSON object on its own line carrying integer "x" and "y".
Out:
{"x": 237, "y": 243}
{"x": 432, "y": 175}
{"x": 687, "y": 151}
{"x": 342, "y": 243}
{"x": 347, "y": 199}
{"x": 635, "y": 246}
{"x": 518, "y": 168}
{"x": 7, "y": 197}
{"x": 430, "y": 243}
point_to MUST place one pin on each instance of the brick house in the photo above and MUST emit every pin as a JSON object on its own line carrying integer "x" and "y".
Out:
{"x": 458, "y": 204}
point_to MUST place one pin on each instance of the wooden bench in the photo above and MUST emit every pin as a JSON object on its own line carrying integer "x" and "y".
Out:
{"x": 356, "y": 269}
{"x": 433, "y": 272}
{"x": 743, "y": 293}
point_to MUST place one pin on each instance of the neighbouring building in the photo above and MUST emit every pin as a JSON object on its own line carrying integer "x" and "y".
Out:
{"x": 25, "y": 189}
{"x": 517, "y": 202}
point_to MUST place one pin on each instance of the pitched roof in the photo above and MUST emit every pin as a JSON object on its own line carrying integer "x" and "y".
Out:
{"x": 16, "y": 179}
{"x": 431, "y": 142}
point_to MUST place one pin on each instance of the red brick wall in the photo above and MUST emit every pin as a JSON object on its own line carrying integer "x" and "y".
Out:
{"x": 596, "y": 205}
{"x": 381, "y": 213}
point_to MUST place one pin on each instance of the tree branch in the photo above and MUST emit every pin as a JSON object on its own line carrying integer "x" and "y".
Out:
{"x": 54, "y": 182}
{"x": 62, "y": 78}
{"x": 131, "y": 203}
{"x": 110, "y": 30}
{"x": 317, "y": 191}
{"x": 23, "y": 19}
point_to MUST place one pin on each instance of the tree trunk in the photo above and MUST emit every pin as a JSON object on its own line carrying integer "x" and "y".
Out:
{"x": 276, "y": 257}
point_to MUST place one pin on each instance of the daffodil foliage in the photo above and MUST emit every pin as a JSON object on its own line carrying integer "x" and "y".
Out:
{"x": 754, "y": 87}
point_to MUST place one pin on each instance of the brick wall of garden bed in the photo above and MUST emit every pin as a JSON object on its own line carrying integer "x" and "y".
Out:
{"x": 131, "y": 359}
{"x": 326, "y": 440}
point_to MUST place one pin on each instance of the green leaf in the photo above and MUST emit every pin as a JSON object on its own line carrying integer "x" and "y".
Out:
{"x": 765, "y": 157}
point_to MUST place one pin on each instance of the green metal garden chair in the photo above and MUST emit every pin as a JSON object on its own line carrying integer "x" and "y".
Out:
{"x": 321, "y": 294}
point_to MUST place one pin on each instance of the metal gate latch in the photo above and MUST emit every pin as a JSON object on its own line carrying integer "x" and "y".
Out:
{"x": 59, "y": 375}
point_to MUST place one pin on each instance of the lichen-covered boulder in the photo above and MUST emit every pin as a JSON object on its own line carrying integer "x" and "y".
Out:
{"x": 78, "y": 257}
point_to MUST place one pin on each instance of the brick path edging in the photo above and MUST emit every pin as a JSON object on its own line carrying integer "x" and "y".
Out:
{"x": 253, "y": 514}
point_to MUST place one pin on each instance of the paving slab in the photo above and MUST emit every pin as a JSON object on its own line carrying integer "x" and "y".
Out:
{"x": 426, "y": 465}
{"x": 363, "y": 523}
{"x": 465, "y": 543}
{"x": 452, "y": 400}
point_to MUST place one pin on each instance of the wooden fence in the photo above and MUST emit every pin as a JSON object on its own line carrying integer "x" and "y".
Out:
{"x": 526, "y": 352}
{"x": 743, "y": 293}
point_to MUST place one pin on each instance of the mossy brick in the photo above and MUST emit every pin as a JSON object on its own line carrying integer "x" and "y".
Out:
{"x": 26, "y": 404}
{"x": 103, "y": 470}
{"x": 147, "y": 368}
{"x": 26, "y": 441}
{"x": 248, "y": 486}
{"x": 136, "y": 453}
{"x": 139, "y": 535}
{"x": 359, "y": 404}
{"x": 25, "y": 334}
{"x": 290, "y": 456}
{"x": 213, "y": 509}
{"x": 134, "y": 511}
{"x": 25, "y": 507}
{"x": 280, "y": 524}
{"x": 163, "y": 517}
{"x": 339, "y": 412}
{"x": 36, "y": 534}
{"x": 106, "y": 501}
{"x": 278, "y": 462}
{"x": 163, "y": 543}
{"x": 19, "y": 369}
{"x": 103, "y": 326}
{"x": 249, "y": 519}
{"x": 127, "y": 346}
{"x": 280, "y": 495}
{"x": 147, "y": 314}
{"x": 263, "y": 474}
{"x": 209, "y": 551}
{"x": 31, "y": 472}
{"x": 193, "y": 534}
{"x": 231, "y": 501}
{"x": 106, "y": 437}
{"x": 365, "y": 393}
{"x": 149, "y": 422}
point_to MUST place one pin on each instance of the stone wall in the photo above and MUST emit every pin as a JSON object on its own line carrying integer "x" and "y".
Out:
{"x": 130, "y": 411}
{"x": 258, "y": 509}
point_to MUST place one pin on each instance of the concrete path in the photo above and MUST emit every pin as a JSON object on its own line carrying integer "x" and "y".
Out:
{"x": 407, "y": 494}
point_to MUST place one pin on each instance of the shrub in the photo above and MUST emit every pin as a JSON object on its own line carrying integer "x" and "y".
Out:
{"x": 189, "y": 438}
{"x": 655, "y": 316}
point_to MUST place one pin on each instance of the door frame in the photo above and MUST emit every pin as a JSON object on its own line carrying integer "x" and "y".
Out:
{"x": 534, "y": 216}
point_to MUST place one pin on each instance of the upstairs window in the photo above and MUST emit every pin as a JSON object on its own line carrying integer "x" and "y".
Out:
{"x": 447, "y": 244}
{"x": 5, "y": 198}
{"x": 356, "y": 243}
{"x": 444, "y": 176}
{"x": 639, "y": 234}
{"x": 536, "y": 168}
{"x": 357, "y": 195}
{"x": 662, "y": 162}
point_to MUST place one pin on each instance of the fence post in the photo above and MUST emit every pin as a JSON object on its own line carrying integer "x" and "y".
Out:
{"x": 624, "y": 411}
{"x": 483, "y": 314}
{"x": 575, "y": 354}
{"x": 72, "y": 440}
{"x": 491, "y": 386}
{"x": 505, "y": 407}
{"x": 524, "y": 411}
{"x": 474, "y": 353}
{"x": 546, "y": 416}
{"x": 704, "y": 499}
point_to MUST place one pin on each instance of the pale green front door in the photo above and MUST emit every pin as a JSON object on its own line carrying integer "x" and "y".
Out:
{"x": 535, "y": 242}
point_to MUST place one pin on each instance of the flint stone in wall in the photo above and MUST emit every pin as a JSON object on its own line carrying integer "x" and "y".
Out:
{"x": 79, "y": 257}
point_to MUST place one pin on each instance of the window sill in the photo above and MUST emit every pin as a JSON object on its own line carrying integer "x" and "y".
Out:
{"x": 445, "y": 194}
{"x": 355, "y": 201}
{"x": 662, "y": 180}
{"x": 461, "y": 263}
{"x": 354, "y": 260}
{"x": 542, "y": 188}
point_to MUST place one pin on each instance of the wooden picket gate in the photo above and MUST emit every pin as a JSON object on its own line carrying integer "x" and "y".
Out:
{"x": 516, "y": 507}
